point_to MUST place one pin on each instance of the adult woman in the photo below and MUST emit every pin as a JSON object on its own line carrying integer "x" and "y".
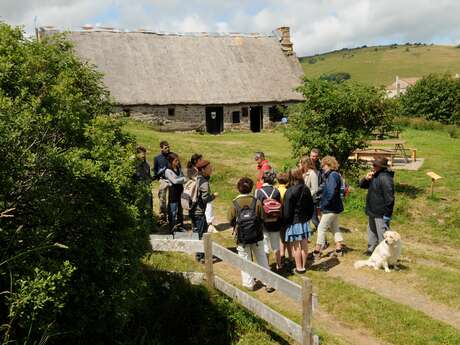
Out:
{"x": 298, "y": 208}
{"x": 192, "y": 172}
{"x": 176, "y": 179}
{"x": 331, "y": 205}
{"x": 204, "y": 197}
{"x": 311, "y": 179}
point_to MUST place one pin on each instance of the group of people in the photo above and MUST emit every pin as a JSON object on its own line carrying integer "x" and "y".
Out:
{"x": 280, "y": 214}
{"x": 167, "y": 169}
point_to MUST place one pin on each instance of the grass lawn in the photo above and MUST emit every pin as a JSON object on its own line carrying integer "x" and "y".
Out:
{"x": 380, "y": 65}
{"x": 430, "y": 227}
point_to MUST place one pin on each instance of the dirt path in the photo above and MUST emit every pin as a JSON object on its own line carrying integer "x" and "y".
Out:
{"x": 398, "y": 293}
{"x": 321, "y": 319}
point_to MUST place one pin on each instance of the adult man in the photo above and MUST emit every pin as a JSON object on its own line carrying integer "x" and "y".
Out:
{"x": 142, "y": 175}
{"x": 380, "y": 201}
{"x": 160, "y": 164}
{"x": 314, "y": 156}
{"x": 262, "y": 166}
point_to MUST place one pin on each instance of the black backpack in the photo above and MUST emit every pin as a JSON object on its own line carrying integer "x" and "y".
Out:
{"x": 248, "y": 227}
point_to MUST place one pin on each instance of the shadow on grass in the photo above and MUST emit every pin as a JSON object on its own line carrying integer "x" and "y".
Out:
{"x": 325, "y": 265}
{"x": 170, "y": 310}
{"x": 408, "y": 190}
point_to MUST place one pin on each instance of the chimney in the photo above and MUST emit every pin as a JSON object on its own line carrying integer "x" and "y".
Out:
{"x": 285, "y": 40}
{"x": 398, "y": 86}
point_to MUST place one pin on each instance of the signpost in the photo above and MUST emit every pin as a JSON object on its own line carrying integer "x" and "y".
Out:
{"x": 434, "y": 177}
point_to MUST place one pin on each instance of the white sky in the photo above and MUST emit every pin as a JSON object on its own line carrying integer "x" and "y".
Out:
{"x": 317, "y": 25}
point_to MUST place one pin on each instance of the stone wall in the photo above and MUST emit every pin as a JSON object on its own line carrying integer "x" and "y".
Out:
{"x": 191, "y": 117}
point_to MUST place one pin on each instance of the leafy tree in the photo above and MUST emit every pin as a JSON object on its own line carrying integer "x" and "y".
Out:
{"x": 337, "y": 118}
{"x": 69, "y": 237}
{"x": 435, "y": 97}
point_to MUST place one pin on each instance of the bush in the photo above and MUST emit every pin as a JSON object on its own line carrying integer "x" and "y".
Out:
{"x": 337, "y": 118}
{"x": 69, "y": 230}
{"x": 435, "y": 97}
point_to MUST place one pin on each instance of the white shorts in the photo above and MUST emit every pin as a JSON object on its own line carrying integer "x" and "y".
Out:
{"x": 271, "y": 239}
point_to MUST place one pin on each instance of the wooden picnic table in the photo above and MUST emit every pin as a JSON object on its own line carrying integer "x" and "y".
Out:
{"x": 398, "y": 146}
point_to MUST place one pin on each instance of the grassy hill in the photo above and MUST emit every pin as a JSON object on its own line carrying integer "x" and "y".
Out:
{"x": 379, "y": 65}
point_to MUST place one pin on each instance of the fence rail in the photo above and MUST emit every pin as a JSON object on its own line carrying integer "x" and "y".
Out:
{"x": 301, "y": 293}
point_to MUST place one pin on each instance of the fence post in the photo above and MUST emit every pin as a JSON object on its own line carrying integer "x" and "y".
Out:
{"x": 306, "y": 312}
{"x": 207, "y": 244}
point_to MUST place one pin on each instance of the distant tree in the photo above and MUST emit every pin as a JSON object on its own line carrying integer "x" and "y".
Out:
{"x": 337, "y": 118}
{"x": 435, "y": 97}
{"x": 338, "y": 77}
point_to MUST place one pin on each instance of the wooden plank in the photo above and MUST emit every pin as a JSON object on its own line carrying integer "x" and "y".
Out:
{"x": 307, "y": 312}
{"x": 274, "y": 318}
{"x": 386, "y": 142}
{"x": 207, "y": 242}
{"x": 276, "y": 281}
{"x": 186, "y": 246}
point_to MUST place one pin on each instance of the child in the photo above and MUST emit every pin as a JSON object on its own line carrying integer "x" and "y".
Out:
{"x": 283, "y": 180}
{"x": 249, "y": 234}
{"x": 269, "y": 195}
{"x": 298, "y": 210}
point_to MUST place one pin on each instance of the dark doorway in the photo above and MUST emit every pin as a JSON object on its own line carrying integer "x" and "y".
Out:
{"x": 214, "y": 120}
{"x": 236, "y": 117}
{"x": 256, "y": 118}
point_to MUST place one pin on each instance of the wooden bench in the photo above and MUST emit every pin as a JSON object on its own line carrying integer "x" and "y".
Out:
{"x": 373, "y": 153}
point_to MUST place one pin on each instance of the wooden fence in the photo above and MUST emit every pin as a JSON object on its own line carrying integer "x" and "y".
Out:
{"x": 300, "y": 293}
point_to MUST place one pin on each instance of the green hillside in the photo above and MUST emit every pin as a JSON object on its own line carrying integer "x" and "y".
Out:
{"x": 379, "y": 65}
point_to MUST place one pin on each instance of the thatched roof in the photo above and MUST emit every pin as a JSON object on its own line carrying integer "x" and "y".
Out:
{"x": 158, "y": 69}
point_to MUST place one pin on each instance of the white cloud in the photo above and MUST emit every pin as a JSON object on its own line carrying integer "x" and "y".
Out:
{"x": 317, "y": 26}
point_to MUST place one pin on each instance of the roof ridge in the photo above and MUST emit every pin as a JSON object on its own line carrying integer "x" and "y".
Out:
{"x": 89, "y": 28}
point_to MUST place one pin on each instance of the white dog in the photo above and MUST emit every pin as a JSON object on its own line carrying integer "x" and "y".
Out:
{"x": 385, "y": 254}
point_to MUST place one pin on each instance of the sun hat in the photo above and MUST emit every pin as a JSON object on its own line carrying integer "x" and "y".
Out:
{"x": 202, "y": 164}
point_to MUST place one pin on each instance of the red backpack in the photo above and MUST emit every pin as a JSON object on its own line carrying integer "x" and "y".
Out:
{"x": 272, "y": 207}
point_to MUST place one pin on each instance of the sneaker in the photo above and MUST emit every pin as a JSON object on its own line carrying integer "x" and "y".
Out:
{"x": 316, "y": 255}
{"x": 339, "y": 252}
{"x": 269, "y": 289}
{"x": 296, "y": 271}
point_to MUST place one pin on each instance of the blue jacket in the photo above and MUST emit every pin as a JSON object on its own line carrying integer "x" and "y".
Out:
{"x": 160, "y": 164}
{"x": 331, "y": 202}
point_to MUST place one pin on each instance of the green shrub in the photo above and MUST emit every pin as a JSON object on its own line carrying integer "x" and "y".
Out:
{"x": 337, "y": 118}
{"x": 72, "y": 244}
{"x": 435, "y": 97}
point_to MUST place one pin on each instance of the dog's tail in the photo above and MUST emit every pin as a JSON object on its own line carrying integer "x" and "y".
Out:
{"x": 361, "y": 263}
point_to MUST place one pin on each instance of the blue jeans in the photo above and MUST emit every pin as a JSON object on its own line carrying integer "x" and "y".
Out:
{"x": 175, "y": 215}
{"x": 201, "y": 228}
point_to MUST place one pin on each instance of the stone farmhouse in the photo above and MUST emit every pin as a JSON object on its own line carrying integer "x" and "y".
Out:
{"x": 183, "y": 81}
{"x": 400, "y": 85}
